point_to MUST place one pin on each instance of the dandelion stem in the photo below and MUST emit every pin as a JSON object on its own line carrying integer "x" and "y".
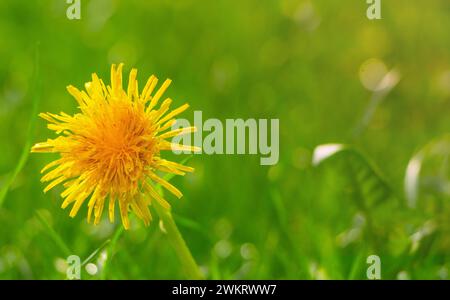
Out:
{"x": 178, "y": 242}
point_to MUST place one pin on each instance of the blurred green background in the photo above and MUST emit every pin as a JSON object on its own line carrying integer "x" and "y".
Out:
{"x": 327, "y": 72}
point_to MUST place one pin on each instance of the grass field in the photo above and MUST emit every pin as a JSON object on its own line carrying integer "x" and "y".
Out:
{"x": 330, "y": 75}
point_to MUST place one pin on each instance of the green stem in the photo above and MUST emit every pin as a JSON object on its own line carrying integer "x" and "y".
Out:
{"x": 185, "y": 256}
{"x": 110, "y": 251}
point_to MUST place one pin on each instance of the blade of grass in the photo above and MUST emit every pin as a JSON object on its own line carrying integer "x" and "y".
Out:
{"x": 291, "y": 246}
{"x": 95, "y": 252}
{"x": 36, "y": 85}
{"x": 191, "y": 224}
{"x": 356, "y": 271}
{"x": 110, "y": 251}
{"x": 385, "y": 86}
{"x": 54, "y": 235}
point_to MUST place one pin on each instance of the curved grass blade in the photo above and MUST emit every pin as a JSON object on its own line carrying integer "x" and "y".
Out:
{"x": 110, "y": 251}
{"x": 36, "y": 85}
{"x": 371, "y": 186}
{"x": 385, "y": 86}
{"x": 438, "y": 147}
{"x": 191, "y": 224}
{"x": 54, "y": 235}
{"x": 95, "y": 252}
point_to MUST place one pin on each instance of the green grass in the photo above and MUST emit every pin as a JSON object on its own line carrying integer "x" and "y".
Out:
{"x": 35, "y": 97}
{"x": 298, "y": 61}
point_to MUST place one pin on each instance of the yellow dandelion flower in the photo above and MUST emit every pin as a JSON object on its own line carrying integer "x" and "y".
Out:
{"x": 111, "y": 148}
